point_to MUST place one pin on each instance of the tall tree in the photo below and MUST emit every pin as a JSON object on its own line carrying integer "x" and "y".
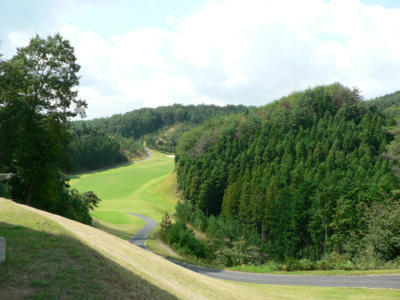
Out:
{"x": 38, "y": 96}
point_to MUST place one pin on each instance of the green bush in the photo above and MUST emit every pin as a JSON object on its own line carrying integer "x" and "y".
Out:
{"x": 238, "y": 252}
{"x": 73, "y": 206}
{"x": 183, "y": 240}
{"x": 4, "y": 190}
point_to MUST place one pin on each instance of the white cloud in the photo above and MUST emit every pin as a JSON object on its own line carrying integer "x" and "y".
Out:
{"x": 240, "y": 51}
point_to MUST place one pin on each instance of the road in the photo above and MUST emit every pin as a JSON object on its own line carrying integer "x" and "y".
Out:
{"x": 367, "y": 281}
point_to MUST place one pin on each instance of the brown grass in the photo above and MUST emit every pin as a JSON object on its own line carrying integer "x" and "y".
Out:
{"x": 186, "y": 284}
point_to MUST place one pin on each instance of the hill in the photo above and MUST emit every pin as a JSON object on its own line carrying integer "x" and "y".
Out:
{"x": 301, "y": 178}
{"x": 49, "y": 256}
{"x": 386, "y": 101}
{"x": 162, "y": 126}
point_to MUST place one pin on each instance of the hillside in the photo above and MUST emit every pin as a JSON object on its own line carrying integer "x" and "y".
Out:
{"x": 49, "y": 256}
{"x": 301, "y": 178}
{"x": 386, "y": 101}
{"x": 161, "y": 127}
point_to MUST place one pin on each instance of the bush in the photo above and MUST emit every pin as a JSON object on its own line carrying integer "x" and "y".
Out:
{"x": 383, "y": 233}
{"x": 183, "y": 240}
{"x": 238, "y": 252}
{"x": 4, "y": 190}
{"x": 184, "y": 211}
{"x": 72, "y": 206}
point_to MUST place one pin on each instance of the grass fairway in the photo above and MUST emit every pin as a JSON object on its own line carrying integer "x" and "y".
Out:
{"x": 145, "y": 187}
{"x": 50, "y": 257}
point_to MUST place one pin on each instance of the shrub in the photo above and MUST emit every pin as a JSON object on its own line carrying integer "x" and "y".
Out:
{"x": 4, "y": 190}
{"x": 238, "y": 252}
{"x": 165, "y": 225}
{"x": 183, "y": 240}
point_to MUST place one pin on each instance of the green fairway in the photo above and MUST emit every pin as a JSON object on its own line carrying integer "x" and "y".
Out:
{"x": 145, "y": 187}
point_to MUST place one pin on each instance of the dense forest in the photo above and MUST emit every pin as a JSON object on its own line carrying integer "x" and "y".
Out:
{"x": 305, "y": 177}
{"x": 91, "y": 149}
{"x": 159, "y": 127}
{"x": 386, "y": 101}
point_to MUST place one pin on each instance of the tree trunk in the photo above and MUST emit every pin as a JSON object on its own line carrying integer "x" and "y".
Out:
{"x": 30, "y": 192}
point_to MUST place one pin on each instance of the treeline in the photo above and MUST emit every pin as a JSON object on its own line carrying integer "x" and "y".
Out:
{"x": 38, "y": 98}
{"x": 140, "y": 122}
{"x": 386, "y": 101}
{"x": 160, "y": 127}
{"x": 303, "y": 177}
{"x": 91, "y": 149}
{"x": 167, "y": 139}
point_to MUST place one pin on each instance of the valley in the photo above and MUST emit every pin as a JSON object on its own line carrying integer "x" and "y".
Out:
{"x": 144, "y": 187}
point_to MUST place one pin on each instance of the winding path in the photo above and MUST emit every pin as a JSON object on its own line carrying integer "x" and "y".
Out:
{"x": 139, "y": 239}
{"x": 366, "y": 281}
{"x": 149, "y": 154}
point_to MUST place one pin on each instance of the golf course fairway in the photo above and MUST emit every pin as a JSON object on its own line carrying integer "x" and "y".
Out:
{"x": 144, "y": 187}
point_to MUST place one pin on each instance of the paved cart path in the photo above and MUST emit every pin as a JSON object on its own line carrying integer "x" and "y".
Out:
{"x": 367, "y": 281}
{"x": 139, "y": 239}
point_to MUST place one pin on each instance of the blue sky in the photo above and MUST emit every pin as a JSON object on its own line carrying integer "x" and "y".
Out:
{"x": 151, "y": 53}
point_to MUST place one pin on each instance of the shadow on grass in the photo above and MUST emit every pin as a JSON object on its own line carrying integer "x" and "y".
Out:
{"x": 119, "y": 233}
{"x": 78, "y": 174}
{"x": 53, "y": 264}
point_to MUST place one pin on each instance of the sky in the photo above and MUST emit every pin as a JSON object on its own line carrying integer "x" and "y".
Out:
{"x": 150, "y": 53}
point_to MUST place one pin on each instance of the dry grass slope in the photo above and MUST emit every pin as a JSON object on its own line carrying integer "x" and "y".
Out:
{"x": 158, "y": 278}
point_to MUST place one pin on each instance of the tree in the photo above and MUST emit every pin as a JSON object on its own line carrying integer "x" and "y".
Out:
{"x": 38, "y": 96}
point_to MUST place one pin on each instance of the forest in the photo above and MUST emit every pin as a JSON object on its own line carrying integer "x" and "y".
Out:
{"x": 159, "y": 127}
{"x": 307, "y": 177}
{"x": 91, "y": 149}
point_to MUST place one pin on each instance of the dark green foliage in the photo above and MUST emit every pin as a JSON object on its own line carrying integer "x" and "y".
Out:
{"x": 382, "y": 235}
{"x": 183, "y": 239}
{"x": 73, "y": 205}
{"x": 92, "y": 150}
{"x": 160, "y": 127}
{"x": 165, "y": 225}
{"x": 37, "y": 98}
{"x": 301, "y": 172}
{"x": 386, "y": 101}
{"x": 90, "y": 199}
{"x": 229, "y": 242}
{"x": 4, "y": 190}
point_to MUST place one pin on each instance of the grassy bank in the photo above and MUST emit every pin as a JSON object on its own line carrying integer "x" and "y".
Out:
{"x": 46, "y": 261}
{"x": 144, "y": 187}
{"x": 50, "y": 257}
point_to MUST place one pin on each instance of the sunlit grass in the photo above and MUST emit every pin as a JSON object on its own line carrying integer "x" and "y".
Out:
{"x": 46, "y": 261}
{"x": 144, "y": 187}
{"x": 50, "y": 257}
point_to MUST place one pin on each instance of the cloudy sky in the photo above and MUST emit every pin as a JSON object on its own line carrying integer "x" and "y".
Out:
{"x": 149, "y": 53}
